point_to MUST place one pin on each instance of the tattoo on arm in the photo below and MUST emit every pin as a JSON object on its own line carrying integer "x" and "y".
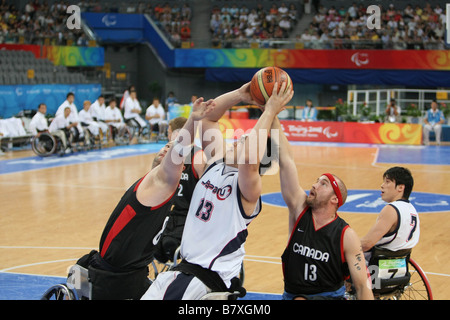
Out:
{"x": 358, "y": 259}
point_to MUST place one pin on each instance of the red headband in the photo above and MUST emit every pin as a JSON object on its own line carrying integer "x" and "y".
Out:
{"x": 335, "y": 187}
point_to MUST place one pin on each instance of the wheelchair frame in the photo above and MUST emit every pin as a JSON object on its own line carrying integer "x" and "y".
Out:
{"x": 414, "y": 285}
{"x": 78, "y": 286}
{"x": 56, "y": 147}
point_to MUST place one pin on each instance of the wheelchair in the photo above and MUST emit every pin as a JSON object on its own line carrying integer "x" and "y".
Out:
{"x": 159, "y": 267}
{"x": 46, "y": 144}
{"x": 90, "y": 141}
{"x": 142, "y": 134}
{"x": 122, "y": 136}
{"x": 395, "y": 276}
{"x": 79, "y": 287}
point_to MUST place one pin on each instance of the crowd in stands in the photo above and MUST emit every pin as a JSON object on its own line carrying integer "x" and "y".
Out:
{"x": 173, "y": 20}
{"x": 400, "y": 28}
{"x": 233, "y": 26}
{"x": 38, "y": 23}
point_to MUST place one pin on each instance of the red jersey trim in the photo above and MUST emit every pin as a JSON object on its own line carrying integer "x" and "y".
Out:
{"x": 342, "y": 243}
{"x": 314, "y": 223}
{"x": 160, "y": 205}
{"x": 124, "y": 218}
{"x": 137, "y": 184}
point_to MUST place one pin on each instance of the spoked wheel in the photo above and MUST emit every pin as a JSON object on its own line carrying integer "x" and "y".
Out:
{"x": 44, "y": 145}
{"x": 418, "y": 288}
{"x": 59, "y": 292}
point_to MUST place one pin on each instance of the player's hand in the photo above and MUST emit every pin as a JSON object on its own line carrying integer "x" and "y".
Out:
{"x": 246, "y": 97}
{"x": 279, "y": 98}
{"x": 201, "y": 108}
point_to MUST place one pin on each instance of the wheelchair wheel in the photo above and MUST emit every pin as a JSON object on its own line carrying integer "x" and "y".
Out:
{"x": 59, "y": 292}
{"x": 133, "y": 128}
{"x": 418, "y": 288}
{"x": 44, "y": 145}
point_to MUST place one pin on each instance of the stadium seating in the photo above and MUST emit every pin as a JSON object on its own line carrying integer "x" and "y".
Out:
{"x": 21, "y": 67}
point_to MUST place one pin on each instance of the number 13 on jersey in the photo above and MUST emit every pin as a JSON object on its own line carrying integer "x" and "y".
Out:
{"x": 204, "y": 210}
{"x": 310, "y": 272}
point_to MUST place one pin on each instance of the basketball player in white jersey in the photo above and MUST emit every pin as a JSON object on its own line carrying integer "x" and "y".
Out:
{"x": 397, "y": 226}
{"x": 225, "y": 200}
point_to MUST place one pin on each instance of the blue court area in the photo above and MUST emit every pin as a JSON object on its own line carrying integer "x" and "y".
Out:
{"x": 431, "y": 155}
{"x": 18, "y": 286}
{"x": 37, "y": 163}
{"x": 405, "y": 154}
{"x": 370, "y": 202}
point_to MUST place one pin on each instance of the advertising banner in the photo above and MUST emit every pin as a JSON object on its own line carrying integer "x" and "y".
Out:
{"x": 313, "y": 131}
{"x": 327, "y": 131}
{"x": 314, "y": 59}
{"x": 383, "y": 133}
{"x": 71, "y": 56}
{"x": 35, "y": 49}
{"x": 14, "y": 99}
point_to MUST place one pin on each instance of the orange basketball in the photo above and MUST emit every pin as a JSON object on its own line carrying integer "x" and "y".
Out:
{"x": 261, "y": 86}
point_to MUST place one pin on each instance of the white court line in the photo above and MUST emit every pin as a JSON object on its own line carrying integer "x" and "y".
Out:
{"x": 438, "y": 274}
{"x": 60, "y": 185}
{"x": 36, "y": 264}
{"x": 263, "y": 261}
{"x": 375, "y": 158}
{"x": 263, "y": 257}
{"x": 35, "y": 247}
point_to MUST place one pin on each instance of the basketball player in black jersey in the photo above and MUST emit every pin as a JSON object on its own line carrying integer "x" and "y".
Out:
{"x": 322, "y": 250}
{"x": 119, "y": 270}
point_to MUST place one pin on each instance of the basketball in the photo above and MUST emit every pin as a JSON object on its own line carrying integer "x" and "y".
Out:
{"x": 263, "y": 81}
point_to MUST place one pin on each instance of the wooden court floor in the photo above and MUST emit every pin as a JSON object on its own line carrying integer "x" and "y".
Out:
{"x": 51, "y": 217}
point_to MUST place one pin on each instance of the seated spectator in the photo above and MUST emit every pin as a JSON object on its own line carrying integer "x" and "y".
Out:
{"x": 309, "y": 112}
{"x": 433, "y": 122}
{"x": 171, "y": 99}
{"x": 156, "y": 116}
{"x": 73, "y": 115}
{"x": 39, "y": 122}
{"x": 87, "y": 121}
{"x": 62, "y": 127}
{"x": 285, "y": 24}
{"x": 132, "y": 111}
{"x": 114, "y": 118}
{"x": 185, "y": 32}
{"x": 97, "y": 111}
{"x": 12, "y": 127}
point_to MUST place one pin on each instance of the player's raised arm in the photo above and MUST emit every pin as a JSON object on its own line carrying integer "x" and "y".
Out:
{"x": 249, "y": 177}
{"x": 213, "y": 143}
{"x": 164, "y": 178}
{"x": 293, "y": 194}
{"x": 173, "y": 165}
